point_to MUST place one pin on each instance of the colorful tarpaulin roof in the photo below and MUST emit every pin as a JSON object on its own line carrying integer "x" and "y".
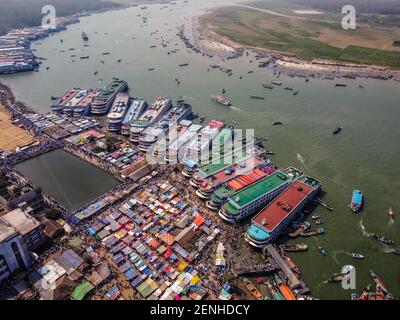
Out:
{"x": 82, "y": 290}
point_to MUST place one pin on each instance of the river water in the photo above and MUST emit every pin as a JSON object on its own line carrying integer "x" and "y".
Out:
{"x": 364, "y": 155}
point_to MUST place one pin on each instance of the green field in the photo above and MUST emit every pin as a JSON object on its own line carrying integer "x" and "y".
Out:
{"x": 319, "y": 36}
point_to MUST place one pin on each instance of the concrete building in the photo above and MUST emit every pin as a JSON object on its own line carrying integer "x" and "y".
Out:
{"x": 14, "y": 255}
{"x": 30, "y": 229}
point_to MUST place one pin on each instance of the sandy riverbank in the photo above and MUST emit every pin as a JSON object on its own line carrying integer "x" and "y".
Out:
{"x": 221, "y": 48}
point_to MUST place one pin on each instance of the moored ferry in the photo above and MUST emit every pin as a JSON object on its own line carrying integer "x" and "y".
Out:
{"x": 277, "y": 216}
{"x": 83, "y": 107}
{"x": 151, "y": 116}
{"x": 135, "y": 110}
{"x": 103, "y": 102}
{"x": 60, "y": 103}
{"x": 72, "y": 103}
{"x": 117, "y": 112}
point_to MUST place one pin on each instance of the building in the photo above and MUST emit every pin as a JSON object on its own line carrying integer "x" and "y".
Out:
{"x": 14, "y": 255}
{"x": 254, "y": 197}
{"x": 268, "y": 225}
{"x": 30, "y": 229}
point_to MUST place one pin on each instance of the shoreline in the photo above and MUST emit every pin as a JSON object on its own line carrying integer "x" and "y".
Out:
{"x": 220, "y": 48}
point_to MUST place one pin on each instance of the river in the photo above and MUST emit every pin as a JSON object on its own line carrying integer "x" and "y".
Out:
{"x": 364, "y": 155}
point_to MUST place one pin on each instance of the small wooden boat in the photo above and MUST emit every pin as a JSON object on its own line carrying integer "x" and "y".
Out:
{"x": 303, "y": 227}
{"x": 323, "y": 251}
{"x": 316, "y": 216}
{"x": 312, "y": 232}
{"x": 252, "y": 289}
{"x": 395, "y": 251}
{"x": 390, "y": 213}
{"x": 319, "y": 221}
{"x": 356, "y": 255}
{"x": 292, "y": 265}
{"x": 276, "y": 123}
{"x": 297, "y": 247}
{"x": 337, "y": 130}
{"x": 382, "y": 239}
{"x": 338, "y": 277}
{"x": 324, "y": 204}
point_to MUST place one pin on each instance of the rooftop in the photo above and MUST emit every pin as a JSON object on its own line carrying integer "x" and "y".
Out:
{"x": 21, "y": 221}
{"x": 254, "y": 191}
{"x": 278, "y": 210}
{"x": 6, "y": 231}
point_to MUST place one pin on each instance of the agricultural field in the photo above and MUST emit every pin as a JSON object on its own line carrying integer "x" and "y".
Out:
{"x": 304, "y": 32}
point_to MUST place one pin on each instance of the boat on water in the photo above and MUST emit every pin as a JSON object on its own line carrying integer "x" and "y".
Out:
{"x": 378, "y": 281}
{"x": 295, "y": 93}
{"x": 296, "y": 247}
{"x": 85, "y": 37}
{"x": 312, "y": 232}
{"x": 276, "y": 123}
{"x": 323, "y": 251}
{"x": 292, "y": 264}
{"x": 303, "y": 227}
{"x": 382, "y": 239}
{"x": 390, "y": 213}
{"x": 324, "y": 204}
{"x": 395, "y": 251}
{"x": 257, "y": 97}
{"x": 278, "y": 83}
{"x": 319, "y": 221}
{"x": 267, "y": 86}
{"x": 252, "y": 289}
{"x": 340, "y": 85}
{"x": 356, "y": 200}
{"x": 316, "y": 216}
{"x": 103, "y": 102}
{"x": 275, "y": 293}
{"x": 356, "y": 255}
{"x": 221, "y": 100}
{"x": 337, "y": 130}
{"x": 117, "y": 112}
{"x": 339, "y": 277}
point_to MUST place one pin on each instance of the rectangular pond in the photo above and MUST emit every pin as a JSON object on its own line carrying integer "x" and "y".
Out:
{"x": 69, "y": 180}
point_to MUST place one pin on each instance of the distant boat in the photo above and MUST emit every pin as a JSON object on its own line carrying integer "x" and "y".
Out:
{"x": 340, "y": 85}
{"x": 319, "y": 221}
{"x": 278, "y": 83}
{"x": 357, "y": 255}
{"x": 303, "y": 227}
{"x": 257, "y": 97}
{"x": 395, "y": 251}
{"x": 339, "y": 277}
{"x": 294, "y": 247}
{"x": 221, "y": 99}
{"x": 267, "y": 86}
{"x": 378, "y": 281}
{"x": 323, "y": 251}
{"x": 85, "y": 37}
{"x": 382, "y": 239}
{"x": 356, "y": 200}
{"x": 316, "y": 216}
{"x": 337, "y": 130}
{"x": 390, "y": 213}
{"x": 276, "y": 123}
{"x": 312, "y": 232}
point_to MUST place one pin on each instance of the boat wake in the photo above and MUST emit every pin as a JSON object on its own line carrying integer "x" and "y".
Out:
{"x": 363, "y": 230}
{"x": 235, "y": 108}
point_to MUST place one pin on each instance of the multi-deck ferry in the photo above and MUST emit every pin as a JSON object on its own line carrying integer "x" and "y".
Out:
{"x": 135, "y": 110}
{"x": 61, "y": 102}
{"x": 278, "y": 215}
{"x": 151, "y": 116}
{"x": 117, "y": 112}
{"x": 72, "y": 103}
{"x": 102, "y": 103}
{"x": 83, "y": 107}
{"x": 165, "y": 128}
